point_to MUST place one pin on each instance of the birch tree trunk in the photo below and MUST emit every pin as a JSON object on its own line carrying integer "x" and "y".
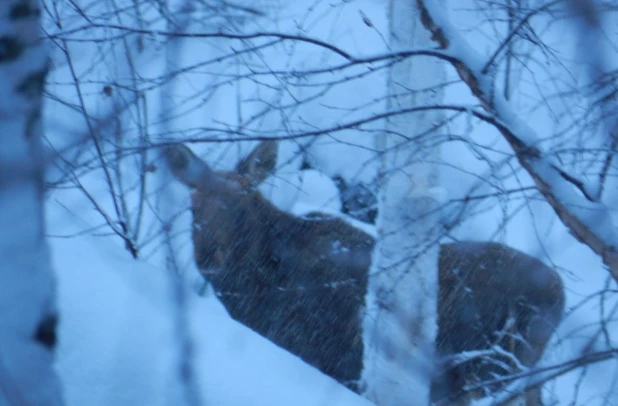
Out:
{"x": 27, "y": 308}
{"x": 168, "y": 208}
{"x": 400, "y": 325}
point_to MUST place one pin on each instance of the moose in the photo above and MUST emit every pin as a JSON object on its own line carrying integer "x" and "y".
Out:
{"x": 301, "y": 283}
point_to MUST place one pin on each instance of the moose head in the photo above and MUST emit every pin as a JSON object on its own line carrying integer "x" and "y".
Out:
{"x": 301, "y": 282}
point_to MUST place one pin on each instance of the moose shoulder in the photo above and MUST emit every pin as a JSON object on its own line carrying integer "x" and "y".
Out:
{"x": 301, "y": 282}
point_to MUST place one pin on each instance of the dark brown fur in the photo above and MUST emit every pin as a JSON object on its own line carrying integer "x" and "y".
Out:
{"x": 301, "y": 282}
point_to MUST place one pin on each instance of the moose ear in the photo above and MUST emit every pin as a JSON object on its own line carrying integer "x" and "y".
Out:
{"x": 260, "y": 163}
{"x": 186, "y": 166}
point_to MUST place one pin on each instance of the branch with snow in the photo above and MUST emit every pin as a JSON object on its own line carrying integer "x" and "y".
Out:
{"x": 587, "y": 218}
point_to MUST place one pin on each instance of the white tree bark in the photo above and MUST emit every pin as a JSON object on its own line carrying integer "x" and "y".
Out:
{"x": 27, "y": 312}
{"x": 168, "y": 209}
{"x": 400, "y": 324}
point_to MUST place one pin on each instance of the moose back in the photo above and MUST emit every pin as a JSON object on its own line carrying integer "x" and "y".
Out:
{"x": 301, "y": 283}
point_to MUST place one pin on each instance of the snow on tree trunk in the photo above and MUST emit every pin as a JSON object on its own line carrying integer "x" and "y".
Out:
{"x": 400, "y": 324}
{"x": 27, "y": 305}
